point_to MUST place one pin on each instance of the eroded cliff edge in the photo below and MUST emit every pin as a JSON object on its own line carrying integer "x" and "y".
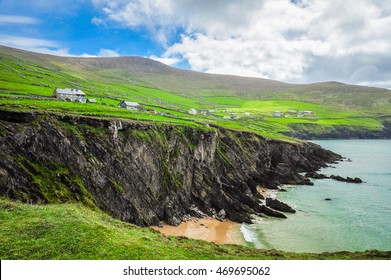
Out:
{"x": 144, "y": 173}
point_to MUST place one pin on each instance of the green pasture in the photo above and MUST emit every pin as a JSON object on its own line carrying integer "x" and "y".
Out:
{"x": 26, "y": 84}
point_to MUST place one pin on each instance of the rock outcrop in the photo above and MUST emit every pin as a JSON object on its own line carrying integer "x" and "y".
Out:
{"x": 347, "y": 179}
{"x": 279, "y": 206}
{"x": 272, "y": 213}
{"x": 146, "y": 173}
{"x": 316, "y": 175}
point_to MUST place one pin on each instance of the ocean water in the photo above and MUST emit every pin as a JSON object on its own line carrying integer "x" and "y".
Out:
{"x": 357, "y": 218}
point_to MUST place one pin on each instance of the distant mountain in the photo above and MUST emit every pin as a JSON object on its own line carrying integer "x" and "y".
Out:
{"x": 149, "y": 73}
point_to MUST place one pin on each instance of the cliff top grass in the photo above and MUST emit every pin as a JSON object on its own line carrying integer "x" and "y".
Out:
{"x": 72, "y": 231}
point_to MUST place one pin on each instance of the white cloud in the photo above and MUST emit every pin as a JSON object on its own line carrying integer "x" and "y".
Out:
{"x": 47, "y": 47}
{"x": 107, "y": 53}
{"x": 26, "y": 42}
{"x": 166, "y": 60}
{"x": 269, "y": 38}
{"x": 101, "y": 53}
{"x": 97, "y": 21}
{"x": 34, "y": 45}
{"x": 8, "y": 19}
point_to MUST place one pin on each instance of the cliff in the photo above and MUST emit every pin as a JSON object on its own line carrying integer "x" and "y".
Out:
{"x": 146, "y": 173}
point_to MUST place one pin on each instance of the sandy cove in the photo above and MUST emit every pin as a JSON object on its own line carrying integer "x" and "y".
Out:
{"x": 212, "y": 230}
{"x": 208, "y": 229}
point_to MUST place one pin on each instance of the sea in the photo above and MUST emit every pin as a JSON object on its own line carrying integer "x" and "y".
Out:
{"x": 357, "y": 217}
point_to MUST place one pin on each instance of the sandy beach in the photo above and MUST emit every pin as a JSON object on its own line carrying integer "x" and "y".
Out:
{"x": 208, "y": 229}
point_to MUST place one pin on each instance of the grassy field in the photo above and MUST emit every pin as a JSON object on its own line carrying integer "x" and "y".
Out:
{"x": 72, "y": 231}
{"x": 28, "y": 80}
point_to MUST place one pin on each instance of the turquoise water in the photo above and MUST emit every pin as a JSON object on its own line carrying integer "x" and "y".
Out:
{"x": 357, "y": 218}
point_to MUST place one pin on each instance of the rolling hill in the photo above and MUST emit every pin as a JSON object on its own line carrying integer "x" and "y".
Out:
{"x": 27, "y": 78}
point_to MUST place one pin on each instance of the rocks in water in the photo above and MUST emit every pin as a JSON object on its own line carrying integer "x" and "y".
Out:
{"x": 337, "y": 178}
{"x": 355, "y": 180}
{"x": 305, "y": 181}
{"x": 270, "y": 212}
{"x": 316, "y": 175}
{"x": 347, "y": 179}
{"x": 278, "y": 205}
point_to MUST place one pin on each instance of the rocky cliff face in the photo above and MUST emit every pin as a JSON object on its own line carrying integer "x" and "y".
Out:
{"x": 143, "y": 173}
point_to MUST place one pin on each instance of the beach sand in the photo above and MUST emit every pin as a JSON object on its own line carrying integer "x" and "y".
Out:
{"x": 208, "y": 229}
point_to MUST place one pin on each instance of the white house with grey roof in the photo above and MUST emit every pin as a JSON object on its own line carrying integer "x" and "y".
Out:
{"x": 192, "y": 111}
{"x": 71, "y": 94}
{"x": 128, "y": 105}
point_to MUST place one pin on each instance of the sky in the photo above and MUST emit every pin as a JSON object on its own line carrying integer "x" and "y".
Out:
{"x": 297, "y": 41}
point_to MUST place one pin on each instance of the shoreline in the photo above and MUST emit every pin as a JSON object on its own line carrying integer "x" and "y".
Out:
{"x": 208, "y": 229}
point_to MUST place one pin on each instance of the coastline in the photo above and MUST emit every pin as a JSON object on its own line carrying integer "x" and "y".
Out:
{"x": 208, "y": 229}
{"x": 266, "y": 193}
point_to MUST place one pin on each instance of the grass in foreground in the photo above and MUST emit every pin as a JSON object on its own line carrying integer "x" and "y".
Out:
{"x": 72, "y": 231}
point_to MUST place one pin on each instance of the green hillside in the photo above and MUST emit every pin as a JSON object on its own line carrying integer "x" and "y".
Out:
{"x": 72, "y": 231}
{"x": 27, "y": 81}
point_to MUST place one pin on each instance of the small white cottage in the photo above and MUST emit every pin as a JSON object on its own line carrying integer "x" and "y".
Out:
{"x": 70, "y": 94}
{"x": 128, "y": 105}
{"x": 193, "y": 111}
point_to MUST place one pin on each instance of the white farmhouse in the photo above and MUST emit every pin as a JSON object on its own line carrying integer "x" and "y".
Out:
{"x": 128, "y": 105}
{"x": 278, "y": 114}
{"x": 71, "y": 94}
{"x": 192, "y": 111}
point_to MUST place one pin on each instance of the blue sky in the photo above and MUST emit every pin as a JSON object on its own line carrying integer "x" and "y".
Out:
{"x": 298, "y": 41}
{"x": 71, "y": 30}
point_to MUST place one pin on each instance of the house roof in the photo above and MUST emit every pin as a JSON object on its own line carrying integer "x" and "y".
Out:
{"x": 128, "y": 103}
{"x": 69, "y": 91}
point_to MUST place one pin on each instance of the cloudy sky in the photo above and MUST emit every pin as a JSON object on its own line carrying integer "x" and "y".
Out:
{"x": 298, "y": 41}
